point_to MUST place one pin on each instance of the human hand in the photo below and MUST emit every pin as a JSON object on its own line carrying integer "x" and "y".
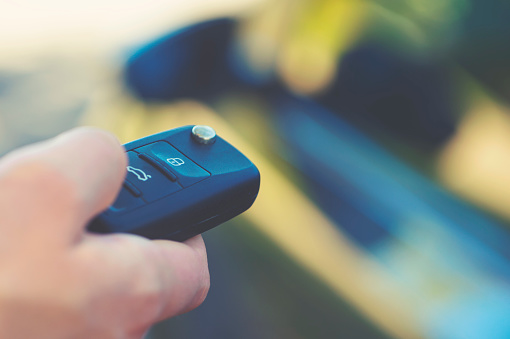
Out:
{"x": 59, "y": 281}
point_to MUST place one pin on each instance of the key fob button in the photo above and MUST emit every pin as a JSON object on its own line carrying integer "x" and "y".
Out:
{"x": 132, "y": 188}
{"x": 126, "y": 200}
{"x": 188, "y": 173}
{"x": 150, "y": 182}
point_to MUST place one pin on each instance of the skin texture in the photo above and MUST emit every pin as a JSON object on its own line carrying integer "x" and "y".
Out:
{"x": 59, "y": 281}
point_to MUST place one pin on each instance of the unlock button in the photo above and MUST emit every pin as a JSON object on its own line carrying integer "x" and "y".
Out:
{"x": 152, "y": 184}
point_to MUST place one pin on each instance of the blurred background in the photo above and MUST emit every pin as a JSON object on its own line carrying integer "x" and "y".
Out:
{"x": 381, "y": 130}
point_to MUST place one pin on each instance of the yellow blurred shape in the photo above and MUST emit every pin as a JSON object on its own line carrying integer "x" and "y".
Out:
{"x": 322, "y": 32}
{"x": 476, "y": 163}
{"x": 289, "y": 219}
{"x": 261, "y": 33}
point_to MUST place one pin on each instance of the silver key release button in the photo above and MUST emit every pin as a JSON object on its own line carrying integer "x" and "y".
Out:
{"x": 203, "y": 134}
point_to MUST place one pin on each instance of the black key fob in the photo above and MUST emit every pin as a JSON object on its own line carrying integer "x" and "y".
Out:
{"x": 180, "y": 183}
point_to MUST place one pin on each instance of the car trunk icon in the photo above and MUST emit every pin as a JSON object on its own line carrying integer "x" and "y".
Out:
{"x": 141, "y": 175}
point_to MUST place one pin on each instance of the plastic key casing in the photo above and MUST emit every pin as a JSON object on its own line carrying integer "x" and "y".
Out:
{"x": 176, "y": 187}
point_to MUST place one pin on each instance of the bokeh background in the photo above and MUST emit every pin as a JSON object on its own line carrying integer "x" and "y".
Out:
{"x": 381, "y": 129}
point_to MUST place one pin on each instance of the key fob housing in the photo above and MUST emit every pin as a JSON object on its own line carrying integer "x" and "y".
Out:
{"x": 177, "y": 187}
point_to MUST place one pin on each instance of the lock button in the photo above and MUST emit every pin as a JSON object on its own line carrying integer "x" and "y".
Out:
{"x": 187, "y": 172}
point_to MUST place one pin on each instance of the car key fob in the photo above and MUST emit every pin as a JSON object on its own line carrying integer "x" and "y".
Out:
{"x": 180, "y": 183}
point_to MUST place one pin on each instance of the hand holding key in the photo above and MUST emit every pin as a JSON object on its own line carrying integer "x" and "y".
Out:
{"x": 59, "y": 281}
{"x": 180, "y": 183}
